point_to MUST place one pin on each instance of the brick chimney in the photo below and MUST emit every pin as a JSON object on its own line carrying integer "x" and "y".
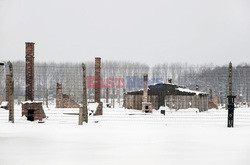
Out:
{"x": 197, "y": 88}
{"x": 99, "y": 110}
{"x": 145, "y": 90}
{"x": 97, "y": 79}
{"x": 29, "y": 93}
{"x": 146, "y": 106}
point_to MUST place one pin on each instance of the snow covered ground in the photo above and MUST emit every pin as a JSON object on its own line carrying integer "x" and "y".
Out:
{"x": 126, "y": 137}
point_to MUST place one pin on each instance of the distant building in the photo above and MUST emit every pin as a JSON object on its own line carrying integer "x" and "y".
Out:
{"x": 171, "y": 95}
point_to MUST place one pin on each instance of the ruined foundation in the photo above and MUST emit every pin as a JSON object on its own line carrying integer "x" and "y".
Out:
{"x": 31, "y": 109}
{"x": 64, "y": 100}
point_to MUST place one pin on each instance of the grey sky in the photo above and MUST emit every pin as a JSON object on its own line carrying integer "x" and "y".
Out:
{"x": 151, "y": 31}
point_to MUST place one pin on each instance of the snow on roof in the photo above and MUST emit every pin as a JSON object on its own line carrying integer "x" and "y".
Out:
{"x": 4, "y": 103}
{"x": 93, "y": 106}
{"x": 29, "y": 102}
{"x": 167, "y": 83}
{"x": 190, "y": 91}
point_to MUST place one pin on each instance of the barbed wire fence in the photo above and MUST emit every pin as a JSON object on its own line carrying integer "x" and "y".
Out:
{"x": 208, "y": 77}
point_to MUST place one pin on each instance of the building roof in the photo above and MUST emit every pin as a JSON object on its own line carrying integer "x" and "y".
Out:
{"x": 168, "y": 89}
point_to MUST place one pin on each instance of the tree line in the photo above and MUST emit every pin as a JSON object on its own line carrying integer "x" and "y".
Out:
{"x": 207, "y": 76}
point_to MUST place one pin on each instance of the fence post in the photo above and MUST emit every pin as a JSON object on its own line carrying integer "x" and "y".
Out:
{"x": 80, "y": 121}
{"x": 47, "y": 99}
{"x": 11, "y": 93}
{"x": 84, "y": 96}
{"x": 230, "y": 121}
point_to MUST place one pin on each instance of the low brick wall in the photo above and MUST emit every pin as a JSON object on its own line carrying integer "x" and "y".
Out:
{"x": 36, "y": 108}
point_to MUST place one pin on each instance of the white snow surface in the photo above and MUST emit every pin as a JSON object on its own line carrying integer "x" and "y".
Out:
{"x": 4, "y": 104}
{"x": 128, "y": 137}
{"x": 190, "y": 91}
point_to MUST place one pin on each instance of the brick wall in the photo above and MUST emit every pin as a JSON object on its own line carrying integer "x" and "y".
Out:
{"x": 29, "y": 94}
{"x": 64, "y": 100}
{"x": 97, "y": 79}
{"x": 33, "y": 106}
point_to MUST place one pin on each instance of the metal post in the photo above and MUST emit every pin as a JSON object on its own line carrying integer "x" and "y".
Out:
{"x": 231, "y": 98}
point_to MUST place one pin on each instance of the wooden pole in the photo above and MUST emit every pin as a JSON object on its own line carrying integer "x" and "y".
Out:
{"x": 113, "y": 97}
{"x": 47, "y": 99}
{"x": 11, "y": 95}
{"x": 84, "y": 96}
{"x": 107, "y": 96}
{"x": 80, "y": 120}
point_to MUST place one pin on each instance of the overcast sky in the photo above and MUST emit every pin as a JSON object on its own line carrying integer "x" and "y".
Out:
{"x": 150, "y": 31}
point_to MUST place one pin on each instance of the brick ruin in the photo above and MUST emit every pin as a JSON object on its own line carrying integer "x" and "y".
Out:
{"x": 99, "y": 110}
{"x": 213, "y": 101}
{"x": 146, "y": 106}
{"x": 64, "y": 100}
{"x": 31, "y": 109}
{"x": 59, "y": 95}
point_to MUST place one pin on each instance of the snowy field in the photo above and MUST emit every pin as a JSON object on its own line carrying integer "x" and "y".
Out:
{"x": 126, "y": 137}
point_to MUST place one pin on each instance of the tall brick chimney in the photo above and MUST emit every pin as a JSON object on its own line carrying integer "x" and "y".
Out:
{"x": 99, "y": 110}
{"x": 98, "y": 79}
{"x": 29, "y": 93}
{"x": 145, "y": 90}
{"x": 146, "y": 106}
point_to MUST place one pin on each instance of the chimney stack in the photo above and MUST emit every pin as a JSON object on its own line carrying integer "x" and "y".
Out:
{"x": 29, "y": 94}
{"x": 97, "y": 79}
{"x": 197, "y": 88}
{"x": 170, "y": 81}
{"x": 59, "y": 95}
{"x": 145, "y": 91}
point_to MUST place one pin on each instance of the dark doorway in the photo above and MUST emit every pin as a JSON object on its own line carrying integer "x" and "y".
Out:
{"x": 30, "y": 115}
{"x": 146, "y": 109}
